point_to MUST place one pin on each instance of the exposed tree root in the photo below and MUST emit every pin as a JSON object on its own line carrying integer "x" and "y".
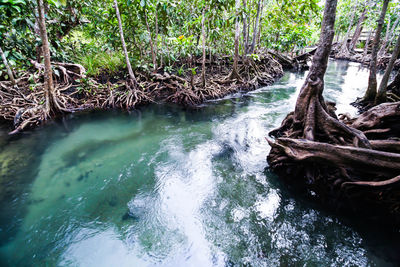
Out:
{"x": 332, "y": 162}
{"x": 374, "y": 184}
{"x": 25, "y": 107}
{"x": 318, "y": 152}
{"x": 382, "y": 60}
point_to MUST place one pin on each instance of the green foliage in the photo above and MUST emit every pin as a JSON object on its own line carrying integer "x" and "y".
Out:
{"x": 87, "y": 32}
{"x": 106, "y": 61}
{"x": 291, "y": 24}
{"x": 181, "y": 70}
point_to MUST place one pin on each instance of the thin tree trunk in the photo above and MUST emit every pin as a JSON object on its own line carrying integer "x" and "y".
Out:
{"x": 248, "y": 15}
{"x": 51, "y": 101}
{"x": 121, "y": 33}
{"x": 191, "y": 71}
{"x": 260, "y": 27}
{"x": 337, "y": 37}
{"x": 255, "y": 30}
{"x": 358, "y": 29}
{"x": 203, "y": 34}
{"x": 245, "y": 41}
{"x": 391, "y": 34}
{"x": 382, "y": 49}
{"x": 9, "y": 71}
{"x": 156, "y": 39}
{"x": 367, "y": 45}
{"x": 39, "y": 51}
{"x": 235, "y": 70}
{"x": 381, "y": 96}
{"x": 153, "y": 55}
{"x": 370, "y": 94}
{"x": 162, "y": 46}
{"x": 344, "y": 47}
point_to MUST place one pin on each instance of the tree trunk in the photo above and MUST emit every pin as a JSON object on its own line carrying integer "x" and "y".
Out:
{"x": 191, "y": 60}
{"x": 162, "y": 47}
{"x": 9, "y": 71}
{"x": 260, "y": 23}
{"x": 317, "y": 151}
{"x": 381, "y": 96}
{"x": 337, "y": 37}
{"x": 255, "y": 30}
{"x": 235, "y": 70}
{"x": 344, "y": 47}
{"x": 391, "y": 34}
{"x": 248, "y": 27}
{"x": 121, "y": 33}
{"x": 245, "y": 41}
{"x": 311, "y": 91}
{"x": 156, "y": 38}
{"x": 367, "y": 45}
{"x": 358, "y": 29}
{"x": 203, "y": 34}
{"x": 370, "y": 94}
{"x": 51, "y": 106}
{"x": 39, "y": 51}
{"x": 312, "y": 117}
{"x": 382, "y": 49}
{"x": 153, "y": 54}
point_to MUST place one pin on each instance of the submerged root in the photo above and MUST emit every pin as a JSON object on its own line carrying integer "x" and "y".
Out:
{"x": 335, "y": 158}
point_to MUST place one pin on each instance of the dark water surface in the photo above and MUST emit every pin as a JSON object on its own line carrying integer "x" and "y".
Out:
{"x": 166, "y": 187}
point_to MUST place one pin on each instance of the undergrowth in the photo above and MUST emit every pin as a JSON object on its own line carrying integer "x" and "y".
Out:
{"x": 104, "y": 61}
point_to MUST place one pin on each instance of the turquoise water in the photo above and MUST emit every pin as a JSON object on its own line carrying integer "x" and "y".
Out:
{"x": 168, "y": 187}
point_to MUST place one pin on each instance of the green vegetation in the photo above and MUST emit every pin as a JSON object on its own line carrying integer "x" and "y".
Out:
{"x": 86, "y": 32}
{"x": 96, "y": 63}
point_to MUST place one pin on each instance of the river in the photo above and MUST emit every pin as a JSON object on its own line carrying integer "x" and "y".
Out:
{"x": 166, "y": 187}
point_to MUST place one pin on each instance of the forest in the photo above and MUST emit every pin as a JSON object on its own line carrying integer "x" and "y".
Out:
{"x": 200, "y": 133}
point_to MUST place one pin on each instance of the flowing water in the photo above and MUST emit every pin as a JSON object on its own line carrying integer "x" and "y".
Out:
{"x": 167, "y": 187}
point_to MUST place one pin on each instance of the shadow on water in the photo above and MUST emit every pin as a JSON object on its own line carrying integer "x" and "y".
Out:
{"x": 19, "y": 158}
{"x": 381, "y": 241}
{"x": 164, "y": 186}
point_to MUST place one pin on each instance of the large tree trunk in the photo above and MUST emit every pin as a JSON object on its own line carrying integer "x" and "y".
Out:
{"x": 381, "y": 96}
{"x": 235, "y": 69}
{"x": 203, "y": 35}
{"x": 9, "y": 71}
{"x": 358, "y": 29}
{"x": 121, "y": 34}
{"x": 318, "y": 152}
{"x": 370, "y": 94}
{"x": 51, "y": 105}
{"x": 311, "y": 92}
{"x": 312, "y": 118}
{"x": 255, "y": 30}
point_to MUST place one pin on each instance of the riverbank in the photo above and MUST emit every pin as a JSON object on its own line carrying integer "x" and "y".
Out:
{"x": 23, "y": 105}
{"x": 363, "y": 58}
